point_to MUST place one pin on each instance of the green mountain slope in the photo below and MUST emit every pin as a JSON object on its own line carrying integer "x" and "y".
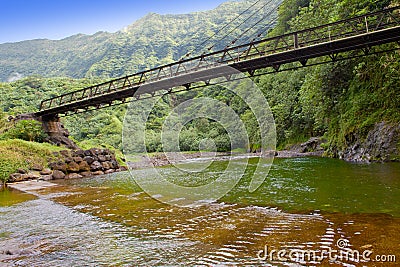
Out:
{"x": 71, "y": 56}
{"x": 352, "y": 104}
{"x": 153, "y": 40}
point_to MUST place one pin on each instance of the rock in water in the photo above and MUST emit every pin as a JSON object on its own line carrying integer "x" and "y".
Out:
{"x": 46, "y": 171}
{"x": 58, "y": 174}
{"x": 73, "y": 176}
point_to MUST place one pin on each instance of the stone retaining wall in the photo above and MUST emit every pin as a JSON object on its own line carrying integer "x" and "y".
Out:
{"x": 72, "y": 164}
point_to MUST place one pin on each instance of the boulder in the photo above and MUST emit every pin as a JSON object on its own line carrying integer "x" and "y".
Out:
{"x": 79, "y": 153}
{"x": 52, "y": 165}
{"x": 84, "y": 166}
{"x": 24, "y": 177}
{"x": 65, "y": 153}
{"x": 32, "y": 176}
{"x": 73, "y": 167}
{"x": 37, "y": 167}
{"x": 86, "y": 174}
{"x": 95, "y": 151}
{"x": 96, "y": 166}
{"x": 109, "y": 171}
{"x": 89, "y": 159}
{"x": 73, "y": 176}
{"x": 313, "y": 144}
{"x": 114, "y": 164}
{"x": 106, "y": 165}
{"x": 22, "y": 171}
{"x": 107, "y": 152}
{"x": 46, "y": 177}
{"x": 58, "y": 174}
{"x": 77, "y": 159}
{"x": 15, "y": 177}
{"x": 102, "y": 158}
{"x": 59, "y": 166}
{"x": 46, "y": 171}
{"x": 98, "y": 173}
{"x": 68, "y": 160}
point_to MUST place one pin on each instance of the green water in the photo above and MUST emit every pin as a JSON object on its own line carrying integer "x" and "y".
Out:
{"x": 9, "y": 197}
{"x": 294, "y": 185}
{"x": 303, "y": 203}
{"x": 308, "y": 184}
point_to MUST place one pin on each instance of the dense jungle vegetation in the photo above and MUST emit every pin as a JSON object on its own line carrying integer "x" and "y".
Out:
{"x": 337, "y": 100}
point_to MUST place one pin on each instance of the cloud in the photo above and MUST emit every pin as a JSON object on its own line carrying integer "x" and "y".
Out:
{"x": 15, "y": 76}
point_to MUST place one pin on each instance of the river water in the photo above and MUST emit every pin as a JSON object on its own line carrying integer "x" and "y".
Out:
{"x": 305, "y": 204}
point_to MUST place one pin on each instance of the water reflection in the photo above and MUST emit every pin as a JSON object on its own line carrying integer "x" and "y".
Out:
{"x": 9, "y": 197}
{"x": 108, "y": 220}
{"x": 54, "y": 235}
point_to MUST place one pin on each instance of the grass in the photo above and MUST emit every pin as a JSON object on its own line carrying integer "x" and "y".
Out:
{"x": 18, "y": 154}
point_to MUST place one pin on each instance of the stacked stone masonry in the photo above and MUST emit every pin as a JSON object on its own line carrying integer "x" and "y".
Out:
{"x": 72, "y": 164}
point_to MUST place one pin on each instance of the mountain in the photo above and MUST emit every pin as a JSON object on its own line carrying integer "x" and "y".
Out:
{"x": 153, "y": 40}
{"x": 71, "y": 56}
{"x": 349, "y": 103}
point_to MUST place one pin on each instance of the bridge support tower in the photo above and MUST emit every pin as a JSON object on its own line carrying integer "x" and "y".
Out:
{"x": 52, "y": 126}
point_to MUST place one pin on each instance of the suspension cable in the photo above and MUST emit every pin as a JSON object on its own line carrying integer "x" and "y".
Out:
{"x": 226, "y": 25}
{"x": 265, "y": 28}
{"x": 252, "y": 15}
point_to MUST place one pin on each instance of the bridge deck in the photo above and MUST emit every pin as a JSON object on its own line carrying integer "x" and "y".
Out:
{"x": 360, "y": 32}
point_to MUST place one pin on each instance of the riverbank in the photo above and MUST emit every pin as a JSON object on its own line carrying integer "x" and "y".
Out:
{"x": 34, "y": 161}
{"x": 165, "y": 159}
{"x": 23, "y": 161}
{"x": 311, "y": 148}
{"x": 71, "y": 164}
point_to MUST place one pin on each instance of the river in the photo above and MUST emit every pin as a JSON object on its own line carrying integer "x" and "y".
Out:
{"x": 317, "y": 205}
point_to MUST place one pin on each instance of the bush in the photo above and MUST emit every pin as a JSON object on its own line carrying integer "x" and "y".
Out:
{"x": 15, "y": 154}
{"x": 10, "y": 161}
{"x": 28, "y": 130}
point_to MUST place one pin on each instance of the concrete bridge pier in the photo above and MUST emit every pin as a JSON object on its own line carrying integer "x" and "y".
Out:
{"x": 52, "y": 126}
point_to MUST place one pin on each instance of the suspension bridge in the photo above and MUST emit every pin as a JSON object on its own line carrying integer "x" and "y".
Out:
{"x": 359, "y": 33}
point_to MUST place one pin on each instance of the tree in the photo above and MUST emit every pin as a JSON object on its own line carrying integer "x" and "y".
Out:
{"x": 4, "y": 124}
{"x": 28, "y": 130}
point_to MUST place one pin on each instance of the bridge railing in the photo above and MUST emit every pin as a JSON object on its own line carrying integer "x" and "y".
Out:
{"x": 359, "y": 25}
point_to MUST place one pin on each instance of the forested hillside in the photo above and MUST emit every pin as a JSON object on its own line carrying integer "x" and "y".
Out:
{"x": 153, "y": 40}
{"x": 353, "y": 104}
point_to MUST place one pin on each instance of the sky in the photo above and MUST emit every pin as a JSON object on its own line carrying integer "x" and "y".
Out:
{"x": 56, "y": 19}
